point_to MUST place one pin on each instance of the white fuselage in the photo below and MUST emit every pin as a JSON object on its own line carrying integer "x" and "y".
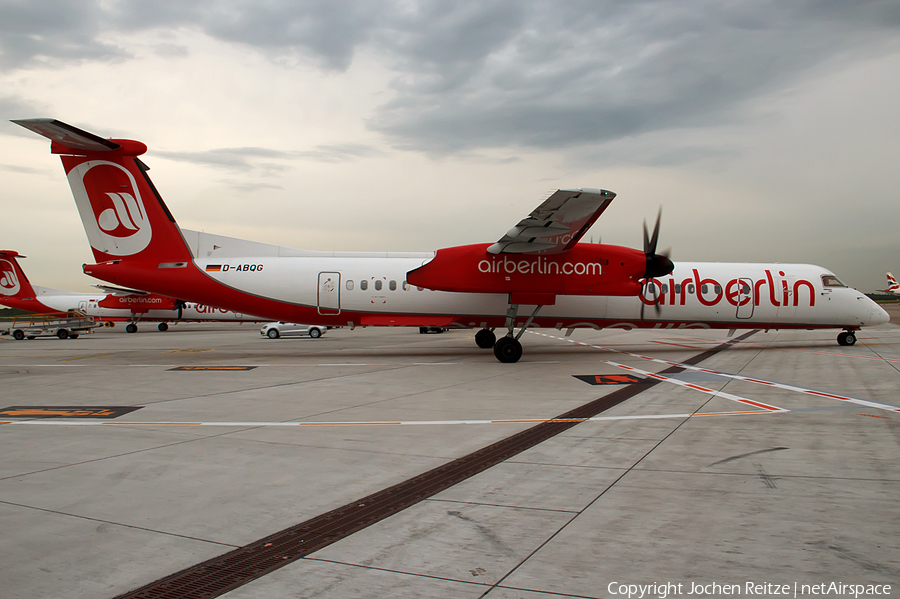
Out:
{"x": 55, "y": 300}
{"x": 357, "y": 288}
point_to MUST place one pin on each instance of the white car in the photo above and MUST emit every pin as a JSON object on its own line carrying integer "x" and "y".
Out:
{"x": 274, "y": 330}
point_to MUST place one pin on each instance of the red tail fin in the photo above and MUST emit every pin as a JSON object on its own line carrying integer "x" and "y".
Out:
{"x": 14, "y": 285}
{"x": 123, "y": 215}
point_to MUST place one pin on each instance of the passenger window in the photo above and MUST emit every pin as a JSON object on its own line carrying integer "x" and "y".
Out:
{"x": 420, "y": 288}
{"x": 363, "y": 285}
{"x": 717, "y": 288}
{"x": 665, "y": 289}
{"x": 704, "y": 288}
{"x": 349, "y": 285}
{"x": 690, "y": 288}
{"x": 393, "y": 285}
{"x": 745, "y": 289}
{"x": 377, "y": 285}
{"x": 677, "y": 287}
{"x": 405, "y": 286}
{"x": 831, "y": 281}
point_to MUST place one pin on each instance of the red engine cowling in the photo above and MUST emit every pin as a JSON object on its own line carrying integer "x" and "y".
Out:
{"x": 138, "y": 303}
{"x": 586, "y": 269}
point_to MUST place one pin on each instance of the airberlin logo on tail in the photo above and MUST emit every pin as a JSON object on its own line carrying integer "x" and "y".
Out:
{"x": 111, "y": 207}
{"x": 9, "y": 282}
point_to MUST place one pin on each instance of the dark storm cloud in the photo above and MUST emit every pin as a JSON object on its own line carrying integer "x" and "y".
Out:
{"x": 508, "y": 73}
{"x": 49, "y": 30}
{"x": 570, "y": 73}
{"x": 326, "y": 31}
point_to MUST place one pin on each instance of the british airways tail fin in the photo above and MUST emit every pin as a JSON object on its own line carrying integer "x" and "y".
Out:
{"x": 893, "y": 285}
{"x": 123, "y": 214}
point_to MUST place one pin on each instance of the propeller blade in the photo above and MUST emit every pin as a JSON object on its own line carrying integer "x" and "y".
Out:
{"x": 646, "y": 238}
{"x": 658, "y": 265}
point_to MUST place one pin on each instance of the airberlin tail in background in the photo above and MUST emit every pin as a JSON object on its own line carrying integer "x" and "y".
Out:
{"x": 109, "y": 305}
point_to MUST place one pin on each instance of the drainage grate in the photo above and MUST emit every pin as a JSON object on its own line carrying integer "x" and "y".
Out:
{"x": 236, "y": 568}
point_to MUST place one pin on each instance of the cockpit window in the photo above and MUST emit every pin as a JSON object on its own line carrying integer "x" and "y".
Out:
{"x": 831, "y": 281}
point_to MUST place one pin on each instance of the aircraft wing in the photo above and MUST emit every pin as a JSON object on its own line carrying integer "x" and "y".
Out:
{"x": 557, "y": 224}
{"x": 121, "y": 290}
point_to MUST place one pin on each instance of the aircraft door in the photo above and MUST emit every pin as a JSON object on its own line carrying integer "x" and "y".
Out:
{"x": 745, "y": 298}
{"x": 787, "y": 309}
{"x": 329, "y": 293}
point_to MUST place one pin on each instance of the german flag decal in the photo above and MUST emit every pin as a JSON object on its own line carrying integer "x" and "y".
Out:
{"x": 213, "y": 268}
{"x": 104, "y": 412}
{"x": 611, "y": 379}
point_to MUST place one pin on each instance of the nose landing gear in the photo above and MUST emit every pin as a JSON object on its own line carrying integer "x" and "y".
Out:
{"x": 485, "y": 338}
{"x": 846, "y": 338}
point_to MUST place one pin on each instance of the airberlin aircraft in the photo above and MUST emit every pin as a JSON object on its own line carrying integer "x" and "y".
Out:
{"x": 536, "y": 275}
{"x": 16, "y": 291}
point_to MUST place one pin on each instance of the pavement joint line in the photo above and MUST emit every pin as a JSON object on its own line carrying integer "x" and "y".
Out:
{"x": 499, "y": 583}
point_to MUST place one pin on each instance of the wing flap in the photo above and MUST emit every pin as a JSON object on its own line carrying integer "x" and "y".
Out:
{"x": 557, "y": 224}
{"x": 121, "y": 291}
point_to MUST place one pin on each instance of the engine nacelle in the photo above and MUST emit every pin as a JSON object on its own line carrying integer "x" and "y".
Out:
{"x": 586, "y": 269}
{"x": 138, "y": 303}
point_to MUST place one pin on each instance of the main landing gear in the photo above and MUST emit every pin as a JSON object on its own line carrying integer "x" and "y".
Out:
{"x": 507, "y": 349}
{"x": 485, "y": 338}
{"x": 846, "y": 338}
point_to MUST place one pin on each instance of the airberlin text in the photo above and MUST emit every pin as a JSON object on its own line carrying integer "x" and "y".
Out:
{"x": 202, "y": 309}
{"x": 773, "y": 287}
{"x": 137, "y": 299}
{"x": 796, "y": 589}
{"x": 539, "y": 266}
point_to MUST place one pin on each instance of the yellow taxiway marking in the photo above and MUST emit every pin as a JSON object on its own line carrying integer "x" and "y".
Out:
{"x": 86, "y": 357}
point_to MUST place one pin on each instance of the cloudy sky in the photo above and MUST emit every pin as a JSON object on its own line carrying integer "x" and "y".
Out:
{"x": 767, "y": 131}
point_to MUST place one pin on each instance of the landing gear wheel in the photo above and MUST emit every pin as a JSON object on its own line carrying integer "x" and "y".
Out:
{"x": 273, "y": 334}
{"x": 485, "y": 339}
{"x": 315, "y": 333}
{"x": 73, "y": 335}
{"x": 18, "y": 335}
{"x": 62, "y": 334}
{"x": 163, "y": 327}
{"x": 131, "y": 328}
{"x": 846, "y": 338}
{"x": 508, "y": 350}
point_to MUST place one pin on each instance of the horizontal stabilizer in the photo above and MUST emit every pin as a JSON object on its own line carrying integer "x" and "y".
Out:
{"x": 68, "y": 136}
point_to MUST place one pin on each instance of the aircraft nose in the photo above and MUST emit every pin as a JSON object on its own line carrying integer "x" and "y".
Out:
{"x": 879, "y": 315}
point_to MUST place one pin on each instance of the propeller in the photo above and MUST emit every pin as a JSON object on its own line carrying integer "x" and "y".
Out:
{"x": 658, "y": 265}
